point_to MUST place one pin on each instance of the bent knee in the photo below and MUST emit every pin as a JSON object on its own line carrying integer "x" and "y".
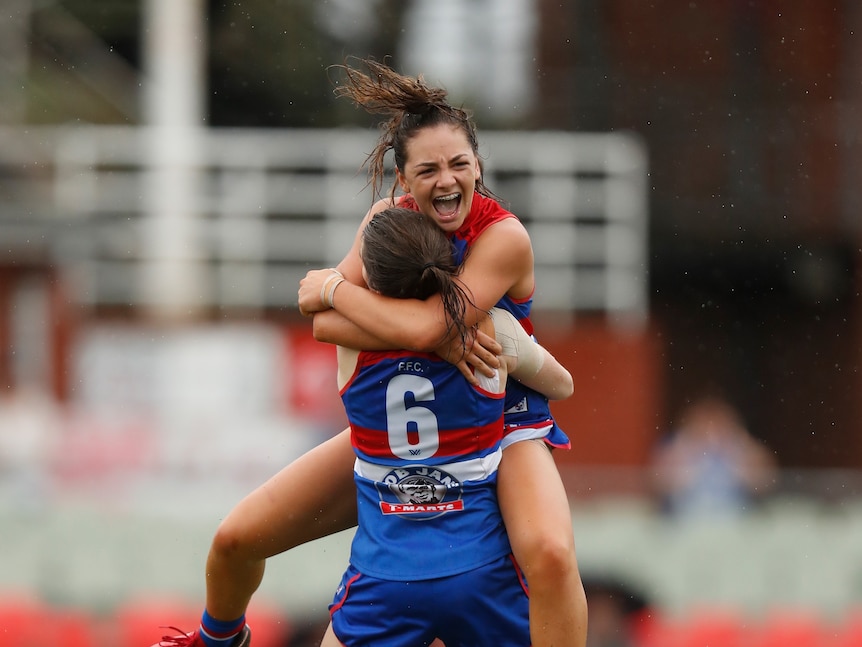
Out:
{"x": 229, "y": 540}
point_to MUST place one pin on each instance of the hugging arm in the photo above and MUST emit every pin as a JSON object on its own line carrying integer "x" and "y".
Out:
{"x": 365, "y": 320}
{"x": 421, "y": 325}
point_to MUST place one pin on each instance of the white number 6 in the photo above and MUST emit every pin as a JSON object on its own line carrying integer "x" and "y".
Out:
{"x": 401, "y": 419}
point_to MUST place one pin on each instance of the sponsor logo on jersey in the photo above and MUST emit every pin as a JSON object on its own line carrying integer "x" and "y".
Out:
{"x": 420, "y": 492}
{"x": 520, "y": 407}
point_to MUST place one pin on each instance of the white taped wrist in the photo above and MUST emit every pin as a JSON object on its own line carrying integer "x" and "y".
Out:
{"x": 327, "y": 290}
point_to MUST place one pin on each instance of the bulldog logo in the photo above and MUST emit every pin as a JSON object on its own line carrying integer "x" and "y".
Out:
{"x": 420, "y": 492}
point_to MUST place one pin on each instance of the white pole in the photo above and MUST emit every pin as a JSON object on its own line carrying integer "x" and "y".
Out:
{"x": 14, "y": 27}
{"x": 172, "y": 278}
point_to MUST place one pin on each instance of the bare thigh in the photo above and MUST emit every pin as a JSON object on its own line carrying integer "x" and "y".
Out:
{"x": 312, "y": 497}
{"x": 329, "y": 639}
{"x": 532, "y": 498}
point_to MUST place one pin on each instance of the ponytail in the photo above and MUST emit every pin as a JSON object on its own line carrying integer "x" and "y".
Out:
{"x": 406, "y": 256}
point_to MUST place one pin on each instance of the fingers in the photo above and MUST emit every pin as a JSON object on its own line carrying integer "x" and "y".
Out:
{"x": 480, "y": 359}
{"x": 483, "y": 354}
{"x": 478, "y": 353}
{"x": 488, "y": 343}
{"x": 485, "y": 365}
{"x": 311, "y": 296}
{"x": 467, "y": 372}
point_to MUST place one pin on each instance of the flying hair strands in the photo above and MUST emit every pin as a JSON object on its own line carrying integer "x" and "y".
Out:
{"x": 408, "y": 104}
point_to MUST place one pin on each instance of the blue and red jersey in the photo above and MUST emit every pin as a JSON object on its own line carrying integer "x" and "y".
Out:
{"x": 428, "y": 447}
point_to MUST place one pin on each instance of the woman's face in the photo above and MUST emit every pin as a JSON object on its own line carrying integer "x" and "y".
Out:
{"x": 441, "y": 172}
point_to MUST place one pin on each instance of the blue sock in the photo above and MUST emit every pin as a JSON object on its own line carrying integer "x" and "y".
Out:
{"x": 218, "y": 633}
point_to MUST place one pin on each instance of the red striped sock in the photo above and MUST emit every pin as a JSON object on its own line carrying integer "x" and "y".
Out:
{"x": 219, "y": 633}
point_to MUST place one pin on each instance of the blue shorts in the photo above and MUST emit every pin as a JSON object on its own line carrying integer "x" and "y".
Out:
{"x": 485, "y": 607}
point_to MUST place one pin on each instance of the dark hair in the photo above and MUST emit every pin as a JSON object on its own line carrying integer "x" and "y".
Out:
{"x": 407, "y": 256}
{"x": 410, "y": 106}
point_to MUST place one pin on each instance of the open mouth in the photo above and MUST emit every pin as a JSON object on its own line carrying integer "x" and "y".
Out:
{"x": 447, "y": 206}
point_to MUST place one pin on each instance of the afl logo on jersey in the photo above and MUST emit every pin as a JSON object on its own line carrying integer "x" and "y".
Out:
{"x": 420, "y": 492}
{"x": 519, "y": 407}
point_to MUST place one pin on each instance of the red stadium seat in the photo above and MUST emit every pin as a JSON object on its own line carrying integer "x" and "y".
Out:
{"x": 793, "y": 629}
{"x": 25, "y": 621}
{"x": 849, "y": 630}
{"x": 22, "y": 620}
{"x": 143, "y": 622}
{"x": 651, "y": 628}
{"x": 707, "y": 628}
{"x": 701, "y": 628}
{"x": 73, "y": 628}
{"x": 269, "y": 625}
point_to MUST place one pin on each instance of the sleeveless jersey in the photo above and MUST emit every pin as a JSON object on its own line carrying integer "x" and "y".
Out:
{"x": 428, "y": 447}
{"x": 527, "y": 412}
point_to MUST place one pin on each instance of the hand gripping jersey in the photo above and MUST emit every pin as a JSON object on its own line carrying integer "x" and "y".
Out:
{"x": 428, "y": 447}
{"x": 527, "y": 412}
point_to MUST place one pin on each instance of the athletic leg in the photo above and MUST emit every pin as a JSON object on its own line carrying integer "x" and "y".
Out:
{"x": 329, "y": 639}
{"x": 312, "y": 497}
{"x": 538, "y": 519}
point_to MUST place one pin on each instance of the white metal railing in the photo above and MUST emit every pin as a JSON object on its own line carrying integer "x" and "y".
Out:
{"x": 269, "y": 204}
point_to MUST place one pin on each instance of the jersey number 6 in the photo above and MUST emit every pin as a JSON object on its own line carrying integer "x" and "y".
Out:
{"x": 412, "y": 428}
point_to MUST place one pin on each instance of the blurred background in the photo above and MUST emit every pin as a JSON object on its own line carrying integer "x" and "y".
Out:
{"x": 690, "y": 176}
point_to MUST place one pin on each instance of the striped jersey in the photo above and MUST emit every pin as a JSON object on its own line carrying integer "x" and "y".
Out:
{"x": 428, "y": 446}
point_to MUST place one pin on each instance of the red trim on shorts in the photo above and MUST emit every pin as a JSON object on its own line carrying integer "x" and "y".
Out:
{"x": 336, "y": 607}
